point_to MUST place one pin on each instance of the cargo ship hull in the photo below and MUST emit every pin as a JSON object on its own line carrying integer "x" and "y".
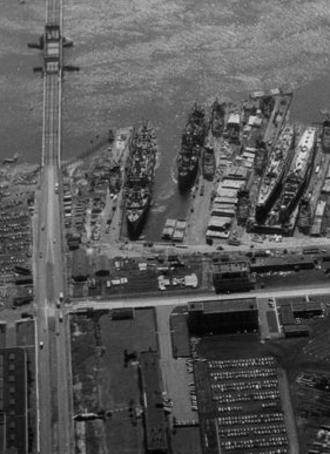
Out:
{"x": 272, "y": 181}
{"x": 298, "y": 175}
{"x": 139, "y": 179}
{"x": 191, "y": 144}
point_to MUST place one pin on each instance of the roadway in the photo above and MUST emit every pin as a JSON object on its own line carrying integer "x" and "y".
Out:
{"x": 54, "y": 405}
{"x": 182, "y": 299}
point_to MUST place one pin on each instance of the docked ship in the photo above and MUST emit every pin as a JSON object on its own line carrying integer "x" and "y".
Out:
{"x": 208, "y": 162}
{"x": 298, "y": 174}
{"x": 272, "y": 179}
{"x": 140, "y": 172}
{"x": 217, "y": 119}
{"x": 325, "y": 135}
{"x": 191, "y": 146}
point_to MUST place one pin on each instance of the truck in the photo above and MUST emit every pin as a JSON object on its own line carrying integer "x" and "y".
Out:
{"x": 56, "y": 187}
{"x": 61, "y": 296}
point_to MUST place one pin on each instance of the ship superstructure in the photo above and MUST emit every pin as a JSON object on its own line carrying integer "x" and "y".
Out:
{"x": 191, "y": 147}
{"x": 140, "y": 173}
{"x": 272, "y": 179}
{"x": 298, "y": 174}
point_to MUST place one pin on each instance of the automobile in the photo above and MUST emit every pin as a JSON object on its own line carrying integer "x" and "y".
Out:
{"x": 41, "y": 345}
{"x": 61, "y": 296}
{"x": 60, "y": 317}
{"x": 40, "y": 255}
{"x": 220, "y": 248}
{"x": 54, "y": 240}
{"x": 43, "y": 226}
{"x": 58, "y": 304}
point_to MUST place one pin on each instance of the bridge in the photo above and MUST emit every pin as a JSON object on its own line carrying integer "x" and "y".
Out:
{"x": 53, "y": 364}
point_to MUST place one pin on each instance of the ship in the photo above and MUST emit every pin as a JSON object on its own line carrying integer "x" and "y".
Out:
{"x": 298, "y": 174}
{"x": 273, "y": 176}
{"x": 208, "y": 162}
{"x": 191, "y": 146}
{"x": 325, "y": 135}
{"x": 217, "y": 119}
{"x": 140, "y": 172}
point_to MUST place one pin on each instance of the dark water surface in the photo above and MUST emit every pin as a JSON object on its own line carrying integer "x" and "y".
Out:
{"x": 153, "y": 59}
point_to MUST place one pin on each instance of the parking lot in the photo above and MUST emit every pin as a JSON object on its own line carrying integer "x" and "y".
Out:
{"x": 240, "y": 407}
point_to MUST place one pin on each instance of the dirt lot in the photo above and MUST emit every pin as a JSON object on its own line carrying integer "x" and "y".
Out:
{"x": 106, "y": 377}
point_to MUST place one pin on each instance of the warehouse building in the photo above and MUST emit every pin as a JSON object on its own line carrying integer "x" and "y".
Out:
{"x": 13, "y": 400}
{"x": 232, "y": 276}
{"x": 296, "y": 331}
{"x": 80, "y": 265}
{"x": 223, "y": 317}
{"x": 154, "y": 416}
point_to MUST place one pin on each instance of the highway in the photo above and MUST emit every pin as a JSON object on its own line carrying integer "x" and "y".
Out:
{"x": 54, "y": 395}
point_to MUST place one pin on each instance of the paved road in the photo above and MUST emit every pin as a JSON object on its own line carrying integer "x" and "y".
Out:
{"x": 177, "y": 300}
{"x": 55, "y": 434}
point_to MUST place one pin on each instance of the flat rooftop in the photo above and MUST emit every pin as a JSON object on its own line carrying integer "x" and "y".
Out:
{"x": 153, "y": 402}
{"x": 220, "y": 306}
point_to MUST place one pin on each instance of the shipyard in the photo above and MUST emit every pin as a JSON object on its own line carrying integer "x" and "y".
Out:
{"x": 165, "y": 228}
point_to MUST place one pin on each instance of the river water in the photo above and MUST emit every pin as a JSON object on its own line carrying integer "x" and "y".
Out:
{"x": 152, "y": 59}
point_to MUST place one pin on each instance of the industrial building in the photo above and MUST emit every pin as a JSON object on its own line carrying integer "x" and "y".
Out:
{"x": 13, "y": 400}
{"x": 222, "y": 317}
{"x": 232, "y": 276}
{"x": 154, "y": 416}
{"x": 296, "y": 330}
{"x": 80, "y": 265}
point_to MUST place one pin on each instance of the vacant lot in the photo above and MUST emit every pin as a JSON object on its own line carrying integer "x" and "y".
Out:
{"x": 106, "y": 377}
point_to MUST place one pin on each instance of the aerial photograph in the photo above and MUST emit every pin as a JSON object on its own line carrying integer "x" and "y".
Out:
{"x": 165, "y": 227}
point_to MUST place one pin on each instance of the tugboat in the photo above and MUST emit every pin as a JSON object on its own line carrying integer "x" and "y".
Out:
{"x": 191, "y": 146}
{"x": 299, "y": 173}
{"x": 208, "y": 162}
{"x": 140, "y": 172}
{"x": 273, "y": 176}
{"x": 217, "y": 120}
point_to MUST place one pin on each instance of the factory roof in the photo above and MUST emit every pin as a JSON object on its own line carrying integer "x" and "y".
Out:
{"x": 234, "y": 118}
{"x": 80, "y": 264}
{"x": 232, "y": 267}
{"x": 218, "y": 306}
{"x": 156, "y": 439}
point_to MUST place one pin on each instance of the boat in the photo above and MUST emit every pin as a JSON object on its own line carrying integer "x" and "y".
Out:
{"x": 325, "y": 135}
{"x": 298, "y": 174}
{"x": 273, "y": 176}
{"x": 208, "y": 162}
{"x": 140, "y": 172}
{"x": 217, "y": 119}
{"x": 191, "y": 146}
